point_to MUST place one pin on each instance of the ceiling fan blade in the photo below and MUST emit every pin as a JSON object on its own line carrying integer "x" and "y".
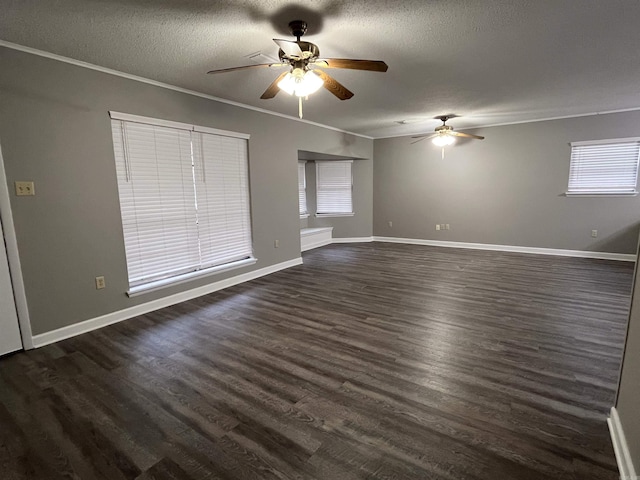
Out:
{"x": 423, "y": 137}
{"x": 371, "y": 65}
{"x": 273, "y": 89}
{"x": 334, "y": 86}
{"x": 233, "y": 69}
{"x": 290, "y": 48}
{"x": 467, "y": 135}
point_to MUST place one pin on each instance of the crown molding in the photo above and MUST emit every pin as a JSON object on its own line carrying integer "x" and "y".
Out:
{"x": 117, "y": 73}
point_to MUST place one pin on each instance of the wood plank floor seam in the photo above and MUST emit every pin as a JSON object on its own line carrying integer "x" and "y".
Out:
{"x": 368, "y": 361}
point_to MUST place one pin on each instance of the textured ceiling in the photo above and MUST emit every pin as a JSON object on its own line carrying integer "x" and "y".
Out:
{"x": 490, "y": 62}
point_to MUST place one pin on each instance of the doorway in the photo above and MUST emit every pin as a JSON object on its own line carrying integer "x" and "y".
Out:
{"x": 10, "y": 339}
{"x": 15, "y": 329}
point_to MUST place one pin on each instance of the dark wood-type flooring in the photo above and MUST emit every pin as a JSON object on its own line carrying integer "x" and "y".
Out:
{"x": 376, "y": 361}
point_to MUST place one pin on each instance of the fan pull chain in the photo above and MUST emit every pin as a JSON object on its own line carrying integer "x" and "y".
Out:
{"x": 300, "y": 107}
{"x": 443, "y": 153}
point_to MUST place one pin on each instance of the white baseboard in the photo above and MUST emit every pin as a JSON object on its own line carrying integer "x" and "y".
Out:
{"x": 115, "y": 317}
{"x": 311, "y": 246}
{"x": 353, "y": 240}
{"x": 315, "y": 237}
{"x": 620, "y": 447}
{"x": 623, "y": 257}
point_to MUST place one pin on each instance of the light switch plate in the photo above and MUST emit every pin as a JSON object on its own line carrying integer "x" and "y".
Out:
{"x": 25, "y": 189}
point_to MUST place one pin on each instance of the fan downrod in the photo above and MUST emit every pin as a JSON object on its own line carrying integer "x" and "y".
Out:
{"x": 298, "y": 28}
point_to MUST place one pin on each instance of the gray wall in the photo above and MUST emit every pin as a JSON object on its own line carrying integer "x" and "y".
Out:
{"x": 629, "y": 389}
{"x": 55, "y": 130}
{"x": 507, "y": 189}
{"x": 360, "y": 224}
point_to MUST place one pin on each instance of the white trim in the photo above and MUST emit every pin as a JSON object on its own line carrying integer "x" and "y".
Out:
{"x": 620, "y": 447}
{"x": 224, "y": 133}
{"x": 90, "y": 66}
{"x": 314, "y": 237}
{"x": 353, "y": 240}
{"x": 329, "y": 215}
{"x": 11, "y": 242}
{"x": 623, "y": 257}
{"x": 519, "y": 122}
{"x": 187, "y": 277}
{"x": 305, "y": 232}
{"x": 605, "y": 141}
{"x": 128, "y": 117}
{"x": 311, "y": 246}
{"x": 601, "y": 194}
{"x": 115, "y": 317}
{"x": 323, "y": 240}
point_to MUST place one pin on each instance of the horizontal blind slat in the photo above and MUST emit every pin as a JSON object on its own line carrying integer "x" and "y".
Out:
{"x": 604, "y": 168}
{"x": 302, "y": 188}
{"x": 222, "y": 183}
{"x": 172, "y": 222}
{"x": 334, "y": 187}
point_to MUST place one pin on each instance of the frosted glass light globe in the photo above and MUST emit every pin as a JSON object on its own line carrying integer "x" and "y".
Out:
{"x": 444, "y": 140}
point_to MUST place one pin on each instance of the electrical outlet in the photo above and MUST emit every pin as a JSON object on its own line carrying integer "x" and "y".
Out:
{"x": 276, "y": 243}
{"x": 437, "y": 226}
{"x": 594, "y": 233}
{"x": 25, "y": 189}
{"x": 100, "y": 283}
{"x": 390, "y": 223}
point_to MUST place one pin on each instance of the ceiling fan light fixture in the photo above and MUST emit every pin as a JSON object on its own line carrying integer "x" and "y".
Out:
{"x": 444, "y": 140}
{"x": 300, "y": 83}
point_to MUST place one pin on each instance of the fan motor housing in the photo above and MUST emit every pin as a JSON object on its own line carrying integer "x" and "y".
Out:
{"x": 310, "y": 51}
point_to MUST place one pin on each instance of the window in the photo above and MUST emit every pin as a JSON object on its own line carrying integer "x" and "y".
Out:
{"x": 184, "y": 200}
{"x": 333, "y": 188}
{"x": 302, "y": 190}
{"x": 606, "y": 167}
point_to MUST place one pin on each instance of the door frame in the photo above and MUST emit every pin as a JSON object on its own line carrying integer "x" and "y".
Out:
{"x": 11, "y": 242}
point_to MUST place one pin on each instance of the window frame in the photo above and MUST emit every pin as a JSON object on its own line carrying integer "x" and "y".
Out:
{"x": 302, "y": 189}
{"x": 197, "y": 159}
{"x": 615, "y": 191}
{"x": 319, "y": 164}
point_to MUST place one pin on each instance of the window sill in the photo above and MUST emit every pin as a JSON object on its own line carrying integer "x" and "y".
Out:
{"x": 186, "y": 277}
{"x": 600, "y": 194}
{"x": 320, "y": 215}
{"x": 304, "y": 215}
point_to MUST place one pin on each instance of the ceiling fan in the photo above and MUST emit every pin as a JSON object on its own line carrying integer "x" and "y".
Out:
{"x": 304, "y": 77}
{"x": 444, "y": 133}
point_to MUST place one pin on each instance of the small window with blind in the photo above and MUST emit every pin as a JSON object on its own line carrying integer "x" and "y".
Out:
{"x": 302, "y": 189}
{"x": 604, "y": 167}
{"x": 184, "y": 200}
{"x": 334, "y": 187}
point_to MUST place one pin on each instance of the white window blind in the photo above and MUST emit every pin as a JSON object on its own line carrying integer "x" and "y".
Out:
{"x": 184, "y": 199}
{"x": 604, "y": 167}
{"x": 302, "y": 189}
{"x": 221, "y": 184}
{"x": 334, "y": 187}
